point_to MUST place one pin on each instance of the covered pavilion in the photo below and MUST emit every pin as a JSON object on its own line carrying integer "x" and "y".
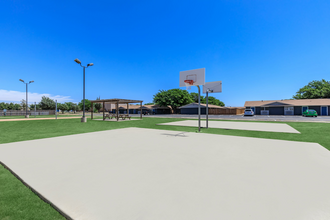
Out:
{"x": 116, "y": 102}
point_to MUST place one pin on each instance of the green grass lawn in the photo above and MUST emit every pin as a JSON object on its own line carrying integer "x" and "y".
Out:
{"x": 19, "y": 202}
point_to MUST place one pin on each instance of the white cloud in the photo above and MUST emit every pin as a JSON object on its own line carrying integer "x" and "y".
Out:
{"x": 16, "y": 96}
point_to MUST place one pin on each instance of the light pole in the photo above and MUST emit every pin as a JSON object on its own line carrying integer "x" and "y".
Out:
{"x": 26, "y": 107}
{"x": 83, "y": 119}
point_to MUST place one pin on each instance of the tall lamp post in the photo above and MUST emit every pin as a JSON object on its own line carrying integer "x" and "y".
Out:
{"x": 26, "y": 107}
{"x": 83, "y": 119}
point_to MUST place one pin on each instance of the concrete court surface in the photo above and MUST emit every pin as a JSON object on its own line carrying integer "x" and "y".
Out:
{"x": 251, "y": 126}
{"x": 282, "y": 118}
{"x": 113, "y": 119}
{"x": 288, "y": 118}
{"x": 149, "y": 174}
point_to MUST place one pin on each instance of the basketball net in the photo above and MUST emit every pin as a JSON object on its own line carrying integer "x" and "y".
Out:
{"x": 189, "y": 83}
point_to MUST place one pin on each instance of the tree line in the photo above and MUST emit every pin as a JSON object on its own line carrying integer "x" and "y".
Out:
{"x": 47, "y": 103}
{"x": 178, "y": 97}
{"x": 173, "y": 97}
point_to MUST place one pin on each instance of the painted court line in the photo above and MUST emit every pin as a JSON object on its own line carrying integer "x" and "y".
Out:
{"x": 136, "y": 173}
{"x": 251, "y": 126}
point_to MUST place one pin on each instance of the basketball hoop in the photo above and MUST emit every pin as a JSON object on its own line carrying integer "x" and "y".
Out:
{"x": 189, "y": 83}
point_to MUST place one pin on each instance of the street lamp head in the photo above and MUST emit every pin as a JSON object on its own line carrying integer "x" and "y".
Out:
{"x": 21, "y": 80}
{"x": 90, "y": 64}
{"x": 77, "y": 61}
{"x": 31, "y": 81}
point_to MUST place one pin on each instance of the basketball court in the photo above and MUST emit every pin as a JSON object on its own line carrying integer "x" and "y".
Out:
{"x": 250, "y": 126}
{"x": 119, "y": 120}
{"x": 136, "y": 173}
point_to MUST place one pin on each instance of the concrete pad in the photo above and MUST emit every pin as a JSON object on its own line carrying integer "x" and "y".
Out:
{"x": 251, "y": 126}
{"x": 136, "y": 173}
{"x": 113, "y": 119}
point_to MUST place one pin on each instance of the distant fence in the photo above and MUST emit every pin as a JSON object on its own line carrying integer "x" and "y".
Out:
{"x": 226, "y": 111}
{"x": 19, "y": 112}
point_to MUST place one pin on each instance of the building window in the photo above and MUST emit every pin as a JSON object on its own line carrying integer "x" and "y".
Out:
{"x": 288, "y": 108}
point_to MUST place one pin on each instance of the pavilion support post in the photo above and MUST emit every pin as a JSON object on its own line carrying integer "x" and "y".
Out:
{"x": 103, "y": 111}
{"x": 92, "y": 111}
{"x": 127, "y": 109}
{"x": 117, "y": 110}
{"x": 140, "y": 110}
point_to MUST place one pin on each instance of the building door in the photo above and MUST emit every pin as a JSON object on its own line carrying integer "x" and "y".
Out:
{"x": 304, "y": 108}
{"x": 324, "y": 110}
{"x": 288, "y": 110}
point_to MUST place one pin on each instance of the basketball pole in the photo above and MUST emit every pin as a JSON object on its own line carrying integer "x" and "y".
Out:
{"x": 207, "y": 108}
{"x": 199, "y": 109}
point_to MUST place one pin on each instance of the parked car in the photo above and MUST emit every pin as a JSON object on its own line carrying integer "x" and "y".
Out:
{"x": 309, "y": 112}
{"x": 248, "y": 112}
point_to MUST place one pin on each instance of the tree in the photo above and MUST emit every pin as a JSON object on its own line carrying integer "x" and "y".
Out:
{"x": 173, "y": 97}
{"x": 59, "y": 106}
{"x": 11, "y": 106}
{"x": 149, "y": 103}
{"x": 88, "y": 104}
{"x": 3, "y": 105}
{"x": 74, "y": 107}
{"x": 63, "y": 107}
{"x": 212, "y": 100}
{"x": 69, "y": 105}
{"x": 37, "y": 107}
{"x": 17, "y": 107}
{"x": 78, "y": 107}
{"x": 314, "y": 90}
{"x": 32, "y": 107}
{"x": 215, "y": 101}
{"x": 23, "y": 104}
{"x": 194, "y": 97}
{"x": 46, "y": 103}
{"x": 98, "y": 106}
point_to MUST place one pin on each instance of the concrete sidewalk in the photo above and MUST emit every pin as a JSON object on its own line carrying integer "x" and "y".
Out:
{"x": 251, "y": 126}
{"x": 150, "y": 174}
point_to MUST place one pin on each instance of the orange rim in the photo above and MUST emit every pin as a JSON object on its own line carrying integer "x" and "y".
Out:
{"x": 189, "y": 81}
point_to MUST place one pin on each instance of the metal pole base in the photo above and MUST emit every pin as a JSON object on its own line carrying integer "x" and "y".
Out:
{"x": 83, "y": 119}
{"x": 27, "y": 116}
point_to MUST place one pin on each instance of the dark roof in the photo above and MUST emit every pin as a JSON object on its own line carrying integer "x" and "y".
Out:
{"x": 290, "y": 102}
{"x": 195, "y": 105}
{"x": 120, "y": 101}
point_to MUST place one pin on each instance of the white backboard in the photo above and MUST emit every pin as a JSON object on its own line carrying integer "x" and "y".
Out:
{"x": 214, "y": 87}
{"x": 198, "y": 75}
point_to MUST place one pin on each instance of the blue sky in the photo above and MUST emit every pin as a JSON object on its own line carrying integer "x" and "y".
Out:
{"x": 261, "y": 50}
